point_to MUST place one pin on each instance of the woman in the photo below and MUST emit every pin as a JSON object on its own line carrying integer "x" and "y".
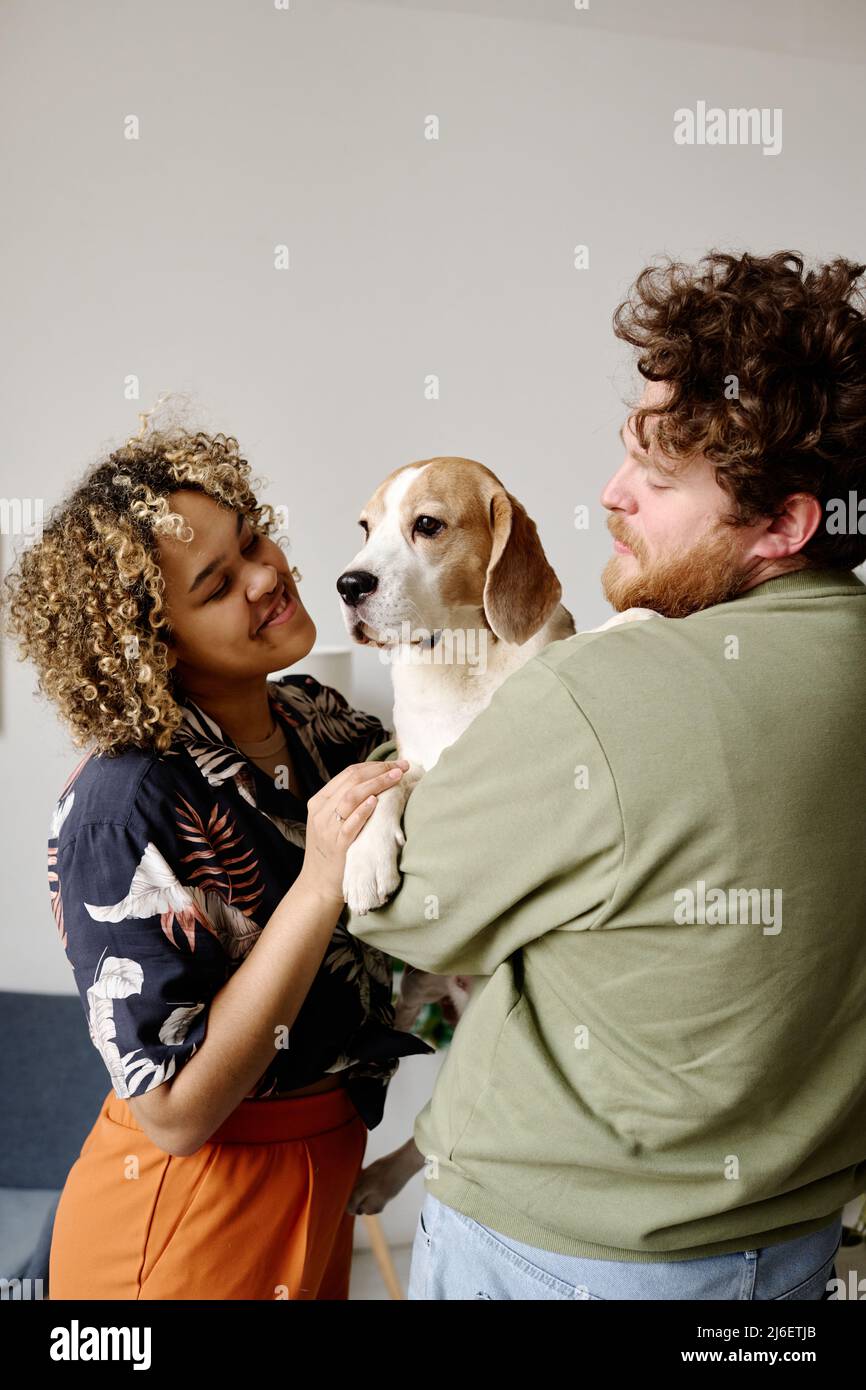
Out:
{"x": 195, "y": 865}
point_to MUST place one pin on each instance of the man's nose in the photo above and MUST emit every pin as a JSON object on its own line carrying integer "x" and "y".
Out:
{"x": 355, "y": 585}
{"x": 616, "y": 496}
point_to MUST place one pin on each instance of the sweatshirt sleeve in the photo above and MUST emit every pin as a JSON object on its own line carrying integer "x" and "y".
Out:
{"x": 383, "y": 752}
{"x": 515, "y": 832}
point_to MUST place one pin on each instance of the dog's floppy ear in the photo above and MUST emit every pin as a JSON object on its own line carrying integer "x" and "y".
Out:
{"x": 521, "y": 590}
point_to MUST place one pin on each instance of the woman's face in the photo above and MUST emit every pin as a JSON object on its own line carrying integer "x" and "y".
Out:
{"x": 219, "y": 587}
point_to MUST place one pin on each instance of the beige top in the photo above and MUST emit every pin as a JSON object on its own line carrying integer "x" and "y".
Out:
{"x": 271, "y": 754}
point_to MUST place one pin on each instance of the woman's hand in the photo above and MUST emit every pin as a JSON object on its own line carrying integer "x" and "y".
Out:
{"x": 335, "y": 816}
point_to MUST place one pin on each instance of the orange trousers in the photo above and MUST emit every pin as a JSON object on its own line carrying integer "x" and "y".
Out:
{"x": 258, "y": 1212}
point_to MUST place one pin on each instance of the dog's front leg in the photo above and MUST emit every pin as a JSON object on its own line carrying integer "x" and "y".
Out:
{"x": 372, "y": 873}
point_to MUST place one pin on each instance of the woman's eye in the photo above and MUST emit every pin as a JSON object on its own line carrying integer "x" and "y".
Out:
{"x": 427, "y": 525}
{"x": 223, "y": 588}
{"x": 658, "y": 487}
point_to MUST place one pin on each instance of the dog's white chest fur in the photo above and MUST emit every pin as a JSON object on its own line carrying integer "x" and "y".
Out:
{"x": 435, "y": 703}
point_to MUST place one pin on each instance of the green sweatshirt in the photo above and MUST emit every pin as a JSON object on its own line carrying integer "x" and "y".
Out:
{"x": 651, "y": 843}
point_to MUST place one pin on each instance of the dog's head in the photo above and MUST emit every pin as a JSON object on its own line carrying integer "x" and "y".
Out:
{"x": 446, "y": 547}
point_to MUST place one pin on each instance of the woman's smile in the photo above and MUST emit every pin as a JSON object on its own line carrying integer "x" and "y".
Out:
{"x": 283, "y": 609}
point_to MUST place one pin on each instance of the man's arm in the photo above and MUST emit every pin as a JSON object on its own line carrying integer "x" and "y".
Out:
{"x": 383, "y": 752}
{"x": 515, "y": 832}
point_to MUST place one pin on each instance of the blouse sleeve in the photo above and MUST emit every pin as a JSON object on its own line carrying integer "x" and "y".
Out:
{"x": 354, "y": 733}
{"x": 145, "y": 962}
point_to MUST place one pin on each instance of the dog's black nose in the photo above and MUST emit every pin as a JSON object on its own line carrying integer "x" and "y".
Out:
{"x": 355, "y": 585}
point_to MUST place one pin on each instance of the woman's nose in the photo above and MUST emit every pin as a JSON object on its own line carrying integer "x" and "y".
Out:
{"x": 264, "y": 583}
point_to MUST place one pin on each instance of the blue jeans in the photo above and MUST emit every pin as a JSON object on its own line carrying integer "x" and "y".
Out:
{"x": 454, "y": 1257}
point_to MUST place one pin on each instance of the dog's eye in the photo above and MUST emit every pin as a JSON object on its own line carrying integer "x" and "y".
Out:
{"x": 427, "y": 525}
{"x": 365, "y": 527}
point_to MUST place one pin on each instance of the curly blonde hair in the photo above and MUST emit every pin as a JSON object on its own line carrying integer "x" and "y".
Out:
{"x": 85, "y": 602}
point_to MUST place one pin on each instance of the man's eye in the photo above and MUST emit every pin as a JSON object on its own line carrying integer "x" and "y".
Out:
{"x": 658, "y": 487}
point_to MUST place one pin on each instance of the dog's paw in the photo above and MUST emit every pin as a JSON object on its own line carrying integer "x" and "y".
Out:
{"x": 629, "y": 615}
{"x": 371, "y": 874}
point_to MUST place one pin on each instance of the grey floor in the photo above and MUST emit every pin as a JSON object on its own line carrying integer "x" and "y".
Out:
{"x": 367, "y": 1285}
{"x": 367, "y": 1282}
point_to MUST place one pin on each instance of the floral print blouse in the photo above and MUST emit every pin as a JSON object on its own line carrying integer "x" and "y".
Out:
{"x": 164, "y": 868}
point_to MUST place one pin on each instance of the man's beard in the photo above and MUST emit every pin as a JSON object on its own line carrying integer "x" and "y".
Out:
{"x": 708, "y": 572}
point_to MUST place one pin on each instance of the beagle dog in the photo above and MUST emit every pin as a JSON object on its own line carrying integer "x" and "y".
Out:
{"x": 450, "y": 560}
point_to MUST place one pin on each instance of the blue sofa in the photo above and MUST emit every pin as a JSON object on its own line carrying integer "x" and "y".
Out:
{"x": 52, "y": 1084}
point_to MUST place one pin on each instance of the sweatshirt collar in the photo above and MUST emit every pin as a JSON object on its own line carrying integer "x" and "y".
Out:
{"x": 816, "y": 582}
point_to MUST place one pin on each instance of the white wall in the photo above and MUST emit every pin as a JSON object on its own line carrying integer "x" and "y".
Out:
{"x": 408, "y": 257}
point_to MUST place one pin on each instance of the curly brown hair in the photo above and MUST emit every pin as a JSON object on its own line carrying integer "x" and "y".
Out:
{"x": 796, "y": 344}
{"x": 86, "y": 601}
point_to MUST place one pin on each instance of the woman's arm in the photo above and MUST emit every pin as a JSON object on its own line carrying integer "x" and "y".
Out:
{"x": 267, "y": 991}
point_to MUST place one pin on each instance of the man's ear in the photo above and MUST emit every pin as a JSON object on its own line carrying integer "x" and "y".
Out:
{"x": 521, "y": 589}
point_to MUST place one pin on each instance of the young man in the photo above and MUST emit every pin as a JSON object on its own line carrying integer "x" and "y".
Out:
{"x": 651, "y": 842}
